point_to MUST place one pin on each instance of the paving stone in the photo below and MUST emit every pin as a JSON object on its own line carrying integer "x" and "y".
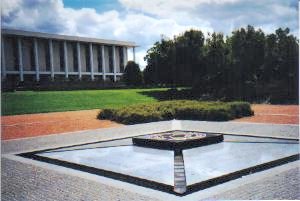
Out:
{"x": 284, "y": 186}
{"x": 23, "y": 182}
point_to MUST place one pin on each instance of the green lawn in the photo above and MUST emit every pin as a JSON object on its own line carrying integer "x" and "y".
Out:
{"x": 25, "y": 102}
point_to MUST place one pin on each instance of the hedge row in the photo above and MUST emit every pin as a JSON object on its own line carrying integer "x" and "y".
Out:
{"x": 181, "y": 109}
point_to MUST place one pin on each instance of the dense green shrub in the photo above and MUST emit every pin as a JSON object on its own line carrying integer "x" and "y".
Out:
{"x": 181, "y": 109}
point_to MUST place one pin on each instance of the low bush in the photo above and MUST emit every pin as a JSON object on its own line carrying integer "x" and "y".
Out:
{"x": 180, "y": 109}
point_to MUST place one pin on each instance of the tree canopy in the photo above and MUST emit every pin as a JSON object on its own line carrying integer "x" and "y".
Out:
{"x": 246, "y": 65}
{"x": 132, "y": 74}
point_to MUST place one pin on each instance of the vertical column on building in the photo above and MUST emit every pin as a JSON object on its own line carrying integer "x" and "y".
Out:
{"x": 36, "y": 60}
{"x": 124, "y": 56}
{"x": 20, "y": 59}
{"x": 51, "y": 58}
{"x": 103, "y": 63}
{"x": 114, "y": 62}
{"x": 66, "y": 60}
{"x": 3, "y": 71}
{"x": 79, "y": 60}
{"x": 133, "y": 52}
{"x": 91, "y": 61}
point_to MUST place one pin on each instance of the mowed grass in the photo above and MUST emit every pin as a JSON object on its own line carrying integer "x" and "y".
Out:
{"x": 26, "y": 102}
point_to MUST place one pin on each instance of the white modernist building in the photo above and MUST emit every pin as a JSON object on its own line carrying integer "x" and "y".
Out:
{"x": 33, "y": 55}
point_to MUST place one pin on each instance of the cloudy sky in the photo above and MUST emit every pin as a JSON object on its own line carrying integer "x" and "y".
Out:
{"x": 145, "y": 21}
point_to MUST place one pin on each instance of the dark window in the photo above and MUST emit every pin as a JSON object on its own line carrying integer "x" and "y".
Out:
{"x": 121, "y": 57}
{"x": 32, "y": 55}
{"x": 15, "y": 53}
{"x": 100, "y": 59}
{"x": 47, "y": 51}
{"x": 62, "y": 58}
{"x": 87, "y": 56}
{"x": 110, "y": 56}
{"x": 75, "y": 56}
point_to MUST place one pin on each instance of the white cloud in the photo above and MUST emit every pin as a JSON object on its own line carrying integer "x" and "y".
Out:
{"x": 221, "y": 15}
{"x": 9, "y": 6}
{"x": 164, "y": 7}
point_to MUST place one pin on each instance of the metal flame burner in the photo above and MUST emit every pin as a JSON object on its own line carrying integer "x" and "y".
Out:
{"x": 177, "y": 140}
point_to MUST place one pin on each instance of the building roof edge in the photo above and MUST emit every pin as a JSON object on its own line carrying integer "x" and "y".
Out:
{"x": 66, "y": 37}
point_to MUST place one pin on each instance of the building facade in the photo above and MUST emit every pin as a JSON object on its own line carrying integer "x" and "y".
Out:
{"x": 35, "y": 56}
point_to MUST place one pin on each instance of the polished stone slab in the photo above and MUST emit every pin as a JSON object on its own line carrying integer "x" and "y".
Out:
{"x": 234, "y": 154}
{"x": 151, "y": 164}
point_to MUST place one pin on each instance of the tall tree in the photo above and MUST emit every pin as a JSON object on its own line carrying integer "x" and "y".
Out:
{"x": 175, "y": 61}
{"x": 247, "y": 46}
{"x": 216, "y": 61}
{"x": 159, "y": 67}
{"x": 189, "y": 56}
{"x": 287, "y": 70}
{"x": 132, "y": 74}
